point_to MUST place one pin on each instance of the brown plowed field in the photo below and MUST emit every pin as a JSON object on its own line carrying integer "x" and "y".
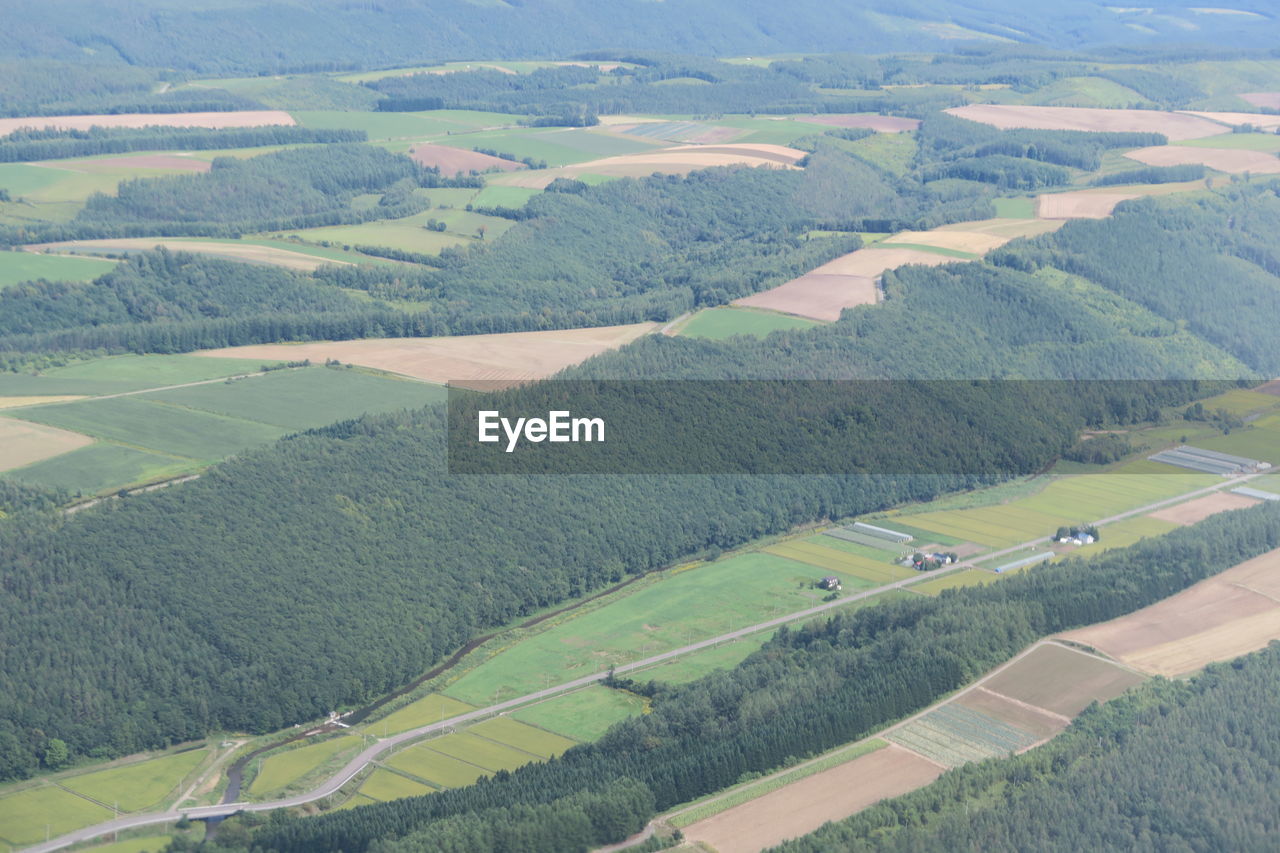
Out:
{"x": 451, "y": 161}
{"x": 136, "y": 161}
{"x": 516, "y": 356}
{"x": 977, "y": 242}
{"x": 1061, "y": 680}
{"x": 816, "y": 296}
{"x": 843, "y": 283}
{"x": 880, "y": 124}
{"x": 1007, "y": 228}
{"x": 803, "y": 806}
{"x": 1173, "y": 125}
{"x": 1084, "y": 204}
{"x": 1263, "y": 99}
{"x": 1201, "y": 508}
{"x": 239, "y": 118}
{"x": 1227, "y": 615}
{"x": 22, "y": 443}
{"x": 1266, "y": 122}
{"x": 1022, "y": 715}
{"x": 1223, "y": 159}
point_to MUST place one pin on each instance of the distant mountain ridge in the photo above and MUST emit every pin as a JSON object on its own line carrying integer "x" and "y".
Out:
{"x": 260, "y": 36}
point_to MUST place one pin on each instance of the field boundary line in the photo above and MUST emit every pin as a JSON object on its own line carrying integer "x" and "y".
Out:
{"x": 1020, "y": 703}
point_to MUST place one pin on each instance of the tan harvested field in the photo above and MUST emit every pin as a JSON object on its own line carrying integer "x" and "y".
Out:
{"x": 816, "y": 296}
{"x": 1083, "y": 204}
{"x": 1007, "y": 228}
{"x": 1227, "y": 615}
{"x": 23, "y": 443}
{"x": 677, "y": 160}
{"x": 977, "y": 242}
{"x": 1173, "y": 125}
{"x": 1272, "y": 388}
{"x": 803, "y": 806}
{"x": 1201, "y": 508}
{"x": 880, "y": 124}
{"x": 451, "y": 161}
{"x": 15, "y": 402}
{"x": 231, "y": 251}
{"x": 1266, "y": 122}
{"x": 516, "y": 356}
{"x": 1263, "y": 99}
{"x": 1230, "y": 160}
{"x": 176, "y": 162}
{"x": 239, "y": 118}
{"x": 1061, "y": 680}
{"x": 843, "y": 283}
{"x": 1022, "y": 715}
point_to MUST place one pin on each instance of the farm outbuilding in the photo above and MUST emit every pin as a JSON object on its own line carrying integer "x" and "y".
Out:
{"x": 1209, "y": 461}
{"x": 830, "y": 582}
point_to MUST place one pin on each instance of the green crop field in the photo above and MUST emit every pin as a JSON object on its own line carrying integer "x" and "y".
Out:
{"x": 431, "y": 708}
{"x": 155, "y": 426}
{"x": 498, "y": 196}
{"x": 671, "y": 612}
{"x": 584, "y": 714}
{"x": 1122, "y": 534}
{"x": 1086, "y": 92}
{"x": 136, "y": 786}
{"x": 889, "y": 552}
{"x": 435, "y": 767}
{"x": 1240, "y": 141}
{"x": 28, "y": 816}
{"x": 965, "y": 577}
{"x": 854, "y": 570}
{"x": 693, "y": 666}
{"x": 521, "y": 736}
{"x": 121, "y": 373}
{"x": 936, "y": 250}
{"x": 407, "y": 236}
{"x": 718, "y": 324}
{"x": 891, "y": 151}
{"x": 1257, "y": 441}
{"x": 1240, "y": 401}
{"x": 476, "y": 750}
{"x": 285, "y": 768}
{"x": 100, "y": 468}
{"x": 305, "y": 398}
{"x": 421, "y": 125}
{"x": 555, "y": 146}
{"x": 384, "y": 785}
{"x": 28, "y": 266}
{"x": 1015, "y": 208}
{"x": 149, "y": 844}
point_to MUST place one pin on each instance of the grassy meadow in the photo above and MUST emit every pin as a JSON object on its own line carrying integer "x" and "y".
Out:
{"x": 718, "y": 324}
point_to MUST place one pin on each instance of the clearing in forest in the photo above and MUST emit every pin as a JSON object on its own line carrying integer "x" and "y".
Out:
{"x": 236, "y": 118}
{"x": 974, "y": 242}
{"x": 1222, "y": 617}
{"x": 878, "y": 123}
{"x": 1060, "y": 680}
{"x": 678, "y": 160}
{"x": 513, "y": 356}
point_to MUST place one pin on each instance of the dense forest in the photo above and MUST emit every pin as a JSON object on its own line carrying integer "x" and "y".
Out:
{"x": 806, "y": 691}
{"x": 1208, "y": 262}
{"x": 1172, "y": 765}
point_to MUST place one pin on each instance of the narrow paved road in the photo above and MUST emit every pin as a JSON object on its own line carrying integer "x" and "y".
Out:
{"x": 380, "y": 746}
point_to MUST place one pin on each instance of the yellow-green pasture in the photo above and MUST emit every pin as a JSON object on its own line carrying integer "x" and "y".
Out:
{"x": 862, "y": 571}
{"x": 135, "y": 786}
{"x": 432, "y": 708}
{"x": 48, "y": 811}
{"x": 284, "y": 768}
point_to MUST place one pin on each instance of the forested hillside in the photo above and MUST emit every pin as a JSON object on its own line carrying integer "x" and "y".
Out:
{"x": 806, "y": 691}
{"x": 1171, "y": 765}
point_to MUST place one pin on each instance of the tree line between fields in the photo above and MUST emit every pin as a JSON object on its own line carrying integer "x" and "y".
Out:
{"x": 840, "y": 679}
